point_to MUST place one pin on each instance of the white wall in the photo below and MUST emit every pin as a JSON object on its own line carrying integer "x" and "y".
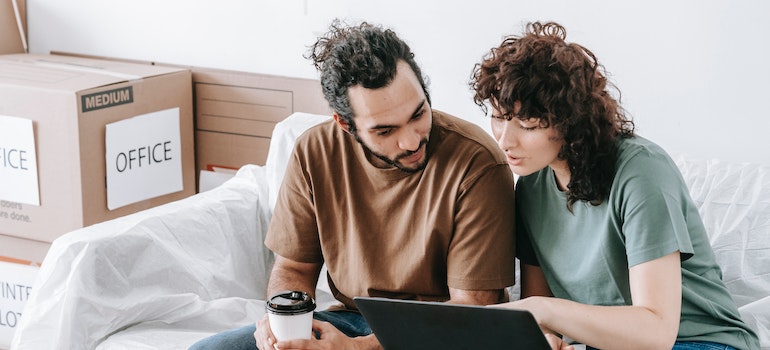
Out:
{"x": 694, "y": 73}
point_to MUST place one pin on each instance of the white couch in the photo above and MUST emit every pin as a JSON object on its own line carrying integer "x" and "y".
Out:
{"x": 168, "y": 276}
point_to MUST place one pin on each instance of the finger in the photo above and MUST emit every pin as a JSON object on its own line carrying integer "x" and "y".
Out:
{"x": 264, "y": 335}
{"x": 554, "y": 342}
{"x": 295, "y": 344}
{"x": 320, "y": 326}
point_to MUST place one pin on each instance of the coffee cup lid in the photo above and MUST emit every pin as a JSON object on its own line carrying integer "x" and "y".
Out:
{"x": 290, "y": 303}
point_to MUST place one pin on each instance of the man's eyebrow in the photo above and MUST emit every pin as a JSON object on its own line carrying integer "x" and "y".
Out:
{"x": 414, "y": 114}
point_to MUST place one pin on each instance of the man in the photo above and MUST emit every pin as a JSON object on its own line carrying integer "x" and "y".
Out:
{"x": 398, "y": 200}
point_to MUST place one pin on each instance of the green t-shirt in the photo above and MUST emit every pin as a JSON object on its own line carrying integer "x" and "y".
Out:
{"x": 585, "y": 255}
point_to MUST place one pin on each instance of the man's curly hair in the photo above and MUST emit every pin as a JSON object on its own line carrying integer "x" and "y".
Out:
{"x": 564, "y": 86}
{"x": 364, "y": 54}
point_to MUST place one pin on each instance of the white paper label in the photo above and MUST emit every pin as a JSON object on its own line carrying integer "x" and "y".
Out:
{"x": 18, "y": 161}
{"x": 144, "y": 158}
{"x": 15, "y": 287}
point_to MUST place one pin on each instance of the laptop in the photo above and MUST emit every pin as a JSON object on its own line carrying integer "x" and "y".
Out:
{"x": 409, "y": 324}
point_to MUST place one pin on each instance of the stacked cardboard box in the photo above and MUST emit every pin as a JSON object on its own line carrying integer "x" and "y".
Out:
{"x": 13, "y": 26}
{"x": 84, "y": 141}
{"x": 236, "y": 112}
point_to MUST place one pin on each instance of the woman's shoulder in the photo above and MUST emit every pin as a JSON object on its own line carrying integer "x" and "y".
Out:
{"x": 640, "y": 154}
{"x": 645, "y": 163}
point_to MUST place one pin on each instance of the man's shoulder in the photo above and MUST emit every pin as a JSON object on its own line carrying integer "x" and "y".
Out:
{"x": 460, "y": 133}
{"x": 323, "y": 132}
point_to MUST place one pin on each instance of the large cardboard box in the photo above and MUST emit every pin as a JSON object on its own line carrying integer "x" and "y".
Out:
{"x": 97, "y": 139}
{"x": 13, "y": 26}
{"x": 16, "y": 279}
{"x": 236, "y": 112}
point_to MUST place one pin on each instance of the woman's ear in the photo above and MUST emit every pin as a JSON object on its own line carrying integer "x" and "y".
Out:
{"x": 342, "y": 122}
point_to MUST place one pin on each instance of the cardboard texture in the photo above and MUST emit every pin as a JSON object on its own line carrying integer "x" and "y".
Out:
{"x": 70, "y": 100}
{"x": 235, "y": 113}
{"x": 12, "y": 40}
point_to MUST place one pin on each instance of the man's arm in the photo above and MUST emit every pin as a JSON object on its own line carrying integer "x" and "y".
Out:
{"x": 288, "y": 274}
{"x": 476, "y": 297}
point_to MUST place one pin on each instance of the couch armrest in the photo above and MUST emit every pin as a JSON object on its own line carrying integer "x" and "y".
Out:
{"x": 163, "y": 264}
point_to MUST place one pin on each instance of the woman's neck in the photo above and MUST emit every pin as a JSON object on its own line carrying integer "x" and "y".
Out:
{"x": 562, "y": 174}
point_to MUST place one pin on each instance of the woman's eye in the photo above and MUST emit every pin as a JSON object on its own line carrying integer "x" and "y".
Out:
{"x": 529, "y": 124}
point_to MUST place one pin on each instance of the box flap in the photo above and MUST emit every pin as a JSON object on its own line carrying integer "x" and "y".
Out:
{"x": 72, "y": 73}
{"x": 13, "y": 26}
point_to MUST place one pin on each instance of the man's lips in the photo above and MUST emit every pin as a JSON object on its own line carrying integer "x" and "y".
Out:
{"x": 414, "y": 156}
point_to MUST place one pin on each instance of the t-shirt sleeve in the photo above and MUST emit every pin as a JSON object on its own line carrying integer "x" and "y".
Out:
{"x": 481, "y": 254}
{"x": 293, "y": 232}
{"x": 653, "y": 203}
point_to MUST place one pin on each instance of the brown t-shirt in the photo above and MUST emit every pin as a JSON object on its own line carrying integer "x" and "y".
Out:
{"x": 388, "y": 233}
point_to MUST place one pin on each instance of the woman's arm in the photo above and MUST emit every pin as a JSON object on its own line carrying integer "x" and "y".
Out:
{"x": 651, "y": 322}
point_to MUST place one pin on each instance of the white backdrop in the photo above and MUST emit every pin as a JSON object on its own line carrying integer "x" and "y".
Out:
{"x": 694, "y": 74}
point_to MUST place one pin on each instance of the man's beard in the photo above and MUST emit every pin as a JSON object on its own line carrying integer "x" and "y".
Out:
{"x": 395, "y": 162}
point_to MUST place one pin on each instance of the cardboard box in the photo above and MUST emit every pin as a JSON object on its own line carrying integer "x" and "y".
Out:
{"x": 16, "y": 279}
{"x": 236, "y": 112}
{"x": 108, "y": 139}
{"x": 13, "y": 30}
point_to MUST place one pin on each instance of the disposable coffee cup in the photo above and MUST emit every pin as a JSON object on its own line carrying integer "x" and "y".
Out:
{"x": 291, "y": 315}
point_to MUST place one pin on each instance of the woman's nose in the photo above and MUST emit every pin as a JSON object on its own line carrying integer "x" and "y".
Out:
{"x": 506, "y": 138}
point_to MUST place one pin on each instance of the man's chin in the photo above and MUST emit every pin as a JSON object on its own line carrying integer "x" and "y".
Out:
{"x": 413, "y": 169}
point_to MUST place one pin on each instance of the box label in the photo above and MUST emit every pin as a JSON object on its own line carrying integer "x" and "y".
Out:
{"x": 15, "y": 286}
{"x": 144, "y": 158}
{"x": 105, "y": 99}
{"x": 18, "y": 161}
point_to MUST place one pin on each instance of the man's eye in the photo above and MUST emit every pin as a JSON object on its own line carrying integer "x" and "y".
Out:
{"x": 384, "y": 132}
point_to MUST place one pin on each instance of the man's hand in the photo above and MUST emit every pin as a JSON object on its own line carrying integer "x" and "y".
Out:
{"x": 264, "y": 334}
{"x": 329, "y": 338}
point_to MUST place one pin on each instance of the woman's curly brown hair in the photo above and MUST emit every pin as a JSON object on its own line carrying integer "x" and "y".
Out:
{"x": 564, "y": 86}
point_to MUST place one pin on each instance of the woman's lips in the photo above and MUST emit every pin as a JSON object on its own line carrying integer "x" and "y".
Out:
{"x": 515, "y": 160}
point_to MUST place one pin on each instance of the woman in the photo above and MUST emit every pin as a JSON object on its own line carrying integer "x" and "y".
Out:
{"x": 613, "y": 251}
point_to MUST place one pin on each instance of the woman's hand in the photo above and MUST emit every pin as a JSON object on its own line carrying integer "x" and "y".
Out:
{"x": 537, "y": 306}
{"x": 556, "y": 342}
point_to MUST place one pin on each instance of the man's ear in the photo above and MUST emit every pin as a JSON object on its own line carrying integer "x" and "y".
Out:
{"x": 341, "y": 122}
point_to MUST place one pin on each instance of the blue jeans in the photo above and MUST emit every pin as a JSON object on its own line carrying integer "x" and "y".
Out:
{"x": 350, "y": 323}
{"x": 693, "y": 345}
{"x": 700, "y": 345}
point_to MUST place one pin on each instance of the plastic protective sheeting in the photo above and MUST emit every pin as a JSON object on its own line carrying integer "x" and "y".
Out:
{"x": 734, "y": 201}
{"x": 196, "y": 264}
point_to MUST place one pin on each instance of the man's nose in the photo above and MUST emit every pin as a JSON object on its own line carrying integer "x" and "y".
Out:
{"x": 409, "y": 140}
